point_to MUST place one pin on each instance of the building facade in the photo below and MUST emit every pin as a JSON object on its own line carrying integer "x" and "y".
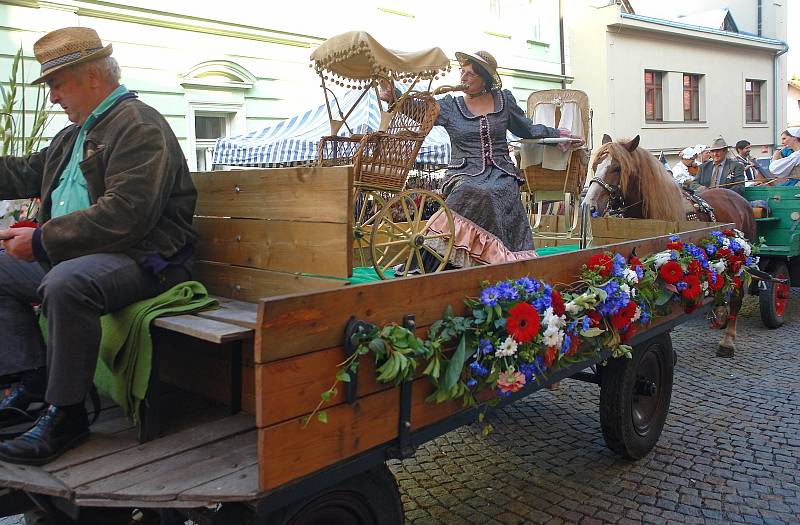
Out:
{"x": 220, "y": 69}
{"x": 677, "y": 84}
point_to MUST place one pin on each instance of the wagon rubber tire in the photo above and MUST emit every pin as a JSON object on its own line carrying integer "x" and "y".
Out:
{"x": 773, "y": 298}
{"x": 370, "y": 498}
{"x": 635, "y": 396}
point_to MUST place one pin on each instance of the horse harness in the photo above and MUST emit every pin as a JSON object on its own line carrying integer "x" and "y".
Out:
{"x": 616, "y": 202}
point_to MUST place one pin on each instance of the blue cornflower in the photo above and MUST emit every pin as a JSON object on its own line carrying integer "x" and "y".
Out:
{"x": 645, "y": 317}
{"x": 528, "y": 284}
{"x": 674, "y": 238}
{"x": 472, "y": 383}
{"x": 539, "y": 364}
{"x": 489, "y": 296}
{"x": 485, "y": 346}
{"x": 640, "y": 272}
{"x": 681, "y": 286}
{"x": 478, "y": 369}
{"x": 705, "y": 264}
{"x": 528, "y": 370}
{"x": 565, "y": 345}
{"x": 673, "y": 255}
{"x": 748, "y": 261}
{"x": 735, "y": 246}
{"x": 586, "y": 323}
{"x": 711, "y": 249}
{"x": 507, "y": 292}
{"x": 713, "y": 277}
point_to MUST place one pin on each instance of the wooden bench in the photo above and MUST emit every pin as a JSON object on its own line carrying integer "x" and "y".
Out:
{"x": 262, "y": 233}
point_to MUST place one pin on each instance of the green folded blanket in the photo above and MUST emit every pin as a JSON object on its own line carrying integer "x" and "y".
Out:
{"x": 126, "y": 348}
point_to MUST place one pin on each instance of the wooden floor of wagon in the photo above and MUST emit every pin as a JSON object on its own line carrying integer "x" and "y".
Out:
{"x": 205, "y": 456}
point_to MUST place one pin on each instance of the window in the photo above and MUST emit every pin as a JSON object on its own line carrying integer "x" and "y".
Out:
{"x": 208, "y": 127}
{"x": 691, "y": 97}
{"x": 752, "y": 100}
{"x": 653, "y": 97}
{"x": 519, "y": 19}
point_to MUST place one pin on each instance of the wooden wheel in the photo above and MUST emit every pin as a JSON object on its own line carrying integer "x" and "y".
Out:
{"x": 401, "y": 234}
{"x": 366, "y": 206}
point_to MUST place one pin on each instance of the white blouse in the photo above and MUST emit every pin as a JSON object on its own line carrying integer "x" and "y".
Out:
{"x": 783, "y": 167}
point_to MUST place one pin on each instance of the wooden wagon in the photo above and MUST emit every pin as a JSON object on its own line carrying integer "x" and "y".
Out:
{"x": 278, "y": 259}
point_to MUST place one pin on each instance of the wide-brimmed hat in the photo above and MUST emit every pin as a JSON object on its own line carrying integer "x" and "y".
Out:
{"x": 688, "y": 153}
{"x": 719, "y": 143}
{"x": 700, "y": 148}
{"x": 68, "y": 47}
{"x": 485, "y": 60}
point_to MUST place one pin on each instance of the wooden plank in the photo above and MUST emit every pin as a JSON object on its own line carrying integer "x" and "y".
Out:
{"x": 33, "y": 479}
{"x": 249, "y": 284}
{"x": 291, "y": 194}
{"x": 166, "y": 477}
{"x": 284, "y": 246}
{"x": 231, "y": 311}
{"x": 299, "y": 324}
{"x": 288, "y": 451}
{"x": 204, "y": 329}
{"x": 240, "y": 485}
{"x": 112, "y": 466}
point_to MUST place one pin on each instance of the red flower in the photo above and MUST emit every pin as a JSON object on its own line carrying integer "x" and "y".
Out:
{"x": 735, "y": 263}
{"x": 693, "y": 288}
{"x": 635, "y": 262}
{"x": 549, "y": 356}
{"x": 675, "y": 245}
{"x": 737, "y": 282}
{"x": 557, "y": 303}
{"x": 574, "y": 343}
{"x": 728, "y": 233}
{"x": 723, "y": 252}
{"x": 623, "y": 317}
{"x": 24, "y": 224}
{"x": 628, "y": 334}
{"x": 715, "y": 287}
{"x": 695, "y": 268}
{"x": 523, "y": 322}
{"x": 601, "y": 263}
{"x": 671, "y": 272}
{"x": 595, "y": 317}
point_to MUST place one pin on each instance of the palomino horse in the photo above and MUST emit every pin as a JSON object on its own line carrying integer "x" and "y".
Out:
{"x": 630, "y": 182}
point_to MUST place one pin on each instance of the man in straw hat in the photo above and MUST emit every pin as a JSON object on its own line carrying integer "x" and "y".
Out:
{"x": 114, "y": 228}
{"x": 720, "y": 171}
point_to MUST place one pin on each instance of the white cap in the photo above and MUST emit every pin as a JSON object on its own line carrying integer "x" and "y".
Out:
{"x": 700, "y": 148}
{"x": 687, "y": 153}
{"x": 795, "y": 132}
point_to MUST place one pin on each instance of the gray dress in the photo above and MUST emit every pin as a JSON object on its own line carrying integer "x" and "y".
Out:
{"x": 482, "y": 183}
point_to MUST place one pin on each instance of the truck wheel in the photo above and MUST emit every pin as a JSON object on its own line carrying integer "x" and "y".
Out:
{"x": 370, "y": 498}
{"x": 634, "y": 397}
{"x": 772, "y": 299}
{"x": 39, "y": 517}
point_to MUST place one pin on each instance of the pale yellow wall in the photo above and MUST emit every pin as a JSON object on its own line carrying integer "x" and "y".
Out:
{"x": 793, "y": 104}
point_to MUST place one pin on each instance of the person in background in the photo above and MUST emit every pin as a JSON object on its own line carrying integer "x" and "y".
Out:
{"x": 720, "y": 171}
{"x": 703, "y": 154}
{"x": 752, "y": 170}
{"x": 787, "y": 169}
{"x": 114, "y": 227}
{"x": 685, "y": 169}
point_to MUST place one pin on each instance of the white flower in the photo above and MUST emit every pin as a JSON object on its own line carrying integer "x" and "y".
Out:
{"x": 572, "y": 308}
{"x": 507, "y": 348}
{"x": 551, "y": 319}
{"x": 726, "y": 242}
{"x": 637, "y": 314}
{"x": 745, "y": 246}
{"x": 553, "y": 336}
{"x": 704, "y": 286}
{"x": 630, "y": 276}
{"x": 719, "y": 266}
{"x": 625, "y": 288}
{"x": 661, "y": 258}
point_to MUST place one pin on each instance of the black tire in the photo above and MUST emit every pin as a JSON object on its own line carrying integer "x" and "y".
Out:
{"x": 370, "y": 498}
{"x": 39, "y": 517}
{"x": 634, "y": 397}
{"x": 94, "y": 516}
{"x": 774, "y": 297}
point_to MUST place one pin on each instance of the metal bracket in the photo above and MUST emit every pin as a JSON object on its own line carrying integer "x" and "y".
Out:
{"x": 353, "y": 327}
{"x": 405, "y": 446}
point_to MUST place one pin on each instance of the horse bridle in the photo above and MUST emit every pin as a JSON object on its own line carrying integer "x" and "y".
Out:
{"x": 616, "y": 202}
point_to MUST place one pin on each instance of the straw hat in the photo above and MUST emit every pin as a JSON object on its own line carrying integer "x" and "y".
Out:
{"x": 719, "y": 143}
{"x": 483, "y": 59}
{"x": 68, "y": 47}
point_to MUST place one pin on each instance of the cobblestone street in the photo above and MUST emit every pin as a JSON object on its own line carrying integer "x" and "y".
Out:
{"x": 730, "y": 450}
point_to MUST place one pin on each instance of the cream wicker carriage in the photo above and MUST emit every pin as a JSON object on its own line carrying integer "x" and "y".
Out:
{"x": 388, "y": 222}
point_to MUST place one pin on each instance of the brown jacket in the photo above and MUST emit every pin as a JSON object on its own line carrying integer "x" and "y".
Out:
{"x": 141, "y": 193}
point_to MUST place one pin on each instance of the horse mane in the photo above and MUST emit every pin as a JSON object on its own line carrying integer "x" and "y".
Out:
{"x": 643, "y": 178}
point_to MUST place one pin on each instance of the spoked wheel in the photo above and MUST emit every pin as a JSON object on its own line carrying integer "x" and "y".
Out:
{"x": 773, "y": 298}
{"x": 366, "y": 206}
{"x": 401, "y": 234}
{"x": 371, "y": 498}
{"x": 635, "y": 396}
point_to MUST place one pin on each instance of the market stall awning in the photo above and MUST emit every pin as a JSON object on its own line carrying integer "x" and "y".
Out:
{"x": 295, "y": 139}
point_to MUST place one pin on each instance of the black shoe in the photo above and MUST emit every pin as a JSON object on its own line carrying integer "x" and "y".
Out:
{"x": 723, "y": 351}
{"x": 55, "y": 432}
{"x": 20, "y": 406}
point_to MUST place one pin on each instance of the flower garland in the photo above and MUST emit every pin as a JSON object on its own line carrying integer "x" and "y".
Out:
{"x": 521, "y": 330}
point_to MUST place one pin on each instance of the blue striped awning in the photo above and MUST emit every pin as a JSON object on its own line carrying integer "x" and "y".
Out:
{"x": 295, "y": 140}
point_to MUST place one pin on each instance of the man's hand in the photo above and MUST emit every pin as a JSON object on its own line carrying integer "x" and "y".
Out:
{"x": 18, "y": 243}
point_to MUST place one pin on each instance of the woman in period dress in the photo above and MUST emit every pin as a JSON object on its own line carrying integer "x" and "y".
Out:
{"x": 482, "y": 186}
